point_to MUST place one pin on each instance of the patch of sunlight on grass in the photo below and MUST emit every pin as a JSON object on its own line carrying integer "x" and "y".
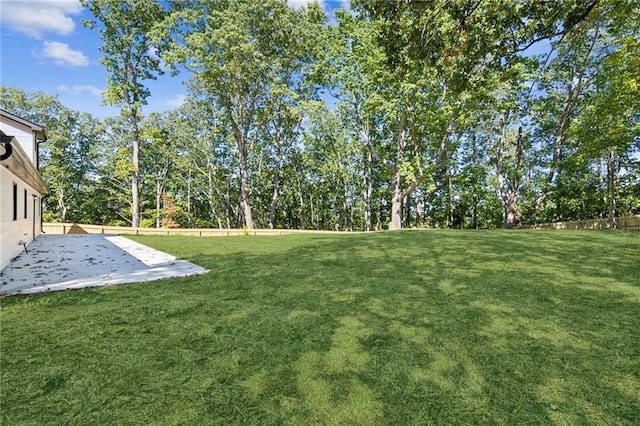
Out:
{"x": 351, "y": 402}
{"x": 382, "y": 308}
{"x": 501, "y": 325}
{"x": 257, "y": 383}
{"x": 346, "y": 354}
{"x": 228, "y": 363}
{"x": 238, "y": 315}
{"x": 562, "y": 418}
{"x": 493, "y": 306}
{"x": 504, "y": 323}
{"x": 417, "y": 289}
{"x": 453, "y": 371}
{"x": 606, "y": 285}
{"x": 357, "y": 403}
{"x": 346, "y": 295}
{"x": 565, "y": 403}
{"x": 556, "y": 335}
{"x": 301, "y": 314}
{"x": 448, "y": 287}
{"x": 629, "y": 386}
{"x": 417, "y": 335}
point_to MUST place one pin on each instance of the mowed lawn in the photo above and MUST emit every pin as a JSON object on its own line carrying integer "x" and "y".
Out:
{"x": 397, "y": 328}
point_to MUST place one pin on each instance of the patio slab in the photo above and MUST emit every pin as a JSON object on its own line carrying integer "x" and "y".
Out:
{"x": 61, "y": 262}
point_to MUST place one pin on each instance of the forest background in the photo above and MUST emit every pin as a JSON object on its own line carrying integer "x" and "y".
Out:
{"x": 392, "y": 114}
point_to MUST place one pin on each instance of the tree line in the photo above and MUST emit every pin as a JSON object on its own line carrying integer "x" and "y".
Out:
{"x": 448, "y": 113}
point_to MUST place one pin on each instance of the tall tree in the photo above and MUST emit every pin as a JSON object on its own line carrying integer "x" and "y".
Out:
{"x": 238, "y": 50}
{"x": 159, "y": 157}
{"x": 68, "y": 159}
{"x": 129, "y": 58}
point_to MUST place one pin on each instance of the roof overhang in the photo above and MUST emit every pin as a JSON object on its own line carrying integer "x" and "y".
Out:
{"x": 40, "y": 132}
{"x": 19, "y": 164}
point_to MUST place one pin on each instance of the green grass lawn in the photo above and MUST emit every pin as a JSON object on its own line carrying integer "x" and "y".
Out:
{"x": 398, "y": 328}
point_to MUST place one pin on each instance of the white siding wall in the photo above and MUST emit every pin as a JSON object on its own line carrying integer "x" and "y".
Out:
{"x": 23, "y": 134}
{"x": 21, "y": 229}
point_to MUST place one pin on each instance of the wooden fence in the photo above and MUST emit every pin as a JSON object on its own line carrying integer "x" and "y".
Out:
{"x": 625, "y": 222}
{"x": 76, "y": 228}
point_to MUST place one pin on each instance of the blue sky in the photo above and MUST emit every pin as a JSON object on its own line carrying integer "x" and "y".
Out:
{"x": 44, "y": 47}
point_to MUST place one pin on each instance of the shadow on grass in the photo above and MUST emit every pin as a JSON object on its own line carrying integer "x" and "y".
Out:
{"x": 388, "y": 328}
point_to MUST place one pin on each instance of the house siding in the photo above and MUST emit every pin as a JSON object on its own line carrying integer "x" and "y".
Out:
{"x": 24, "y": 136}
{"x": 21, "y": 188}
{"x": 21, "y": 229}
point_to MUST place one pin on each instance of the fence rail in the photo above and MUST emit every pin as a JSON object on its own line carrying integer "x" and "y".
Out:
{"x": 624, "y": 222}
{"x": 76, "y": 228}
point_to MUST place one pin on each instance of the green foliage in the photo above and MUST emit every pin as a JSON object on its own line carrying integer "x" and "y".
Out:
{"x": 412, "y": 114}
{"x": 128, "y": 53}
{"x": 244, "y": 59}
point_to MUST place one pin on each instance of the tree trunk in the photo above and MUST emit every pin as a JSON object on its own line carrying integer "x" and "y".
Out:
{"x": 243, "y": 154}
{"x": 62, "y": 205}
{"x": 158, "y": 195}
{"x": 474, "y": 212}
{"x": 274, "y": 200}
{"x": 449, "y": 201}
{"x": 135, "y": 179}
{"x": 368, "y": 192}
{"x": 300, "y": 193}
{"x": 612, "y": 175}
{"x": 474, "y": 209}
{"x": 314, "y": 218}
{"x": 396, "y": 184}
{"x": 189, "y": 199}
{"x": 511, "y": 215}
{"x": 509, "y": 190}
{"x": 345, "y": 206}
{"x": 396, "y": 203}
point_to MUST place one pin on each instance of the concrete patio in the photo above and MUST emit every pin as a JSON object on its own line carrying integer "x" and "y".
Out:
{"x": 61, "y": 262}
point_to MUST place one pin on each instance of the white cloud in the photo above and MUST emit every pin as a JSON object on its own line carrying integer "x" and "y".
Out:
{"x": 80, "y": 89}
{"x": 38, "y": 17}
{"x": 176, "y": 101}
{"x": 297, "y": 4}
{"x": 63, "y": 55}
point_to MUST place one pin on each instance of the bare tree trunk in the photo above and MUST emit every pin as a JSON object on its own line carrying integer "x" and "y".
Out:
{"x": 368, "y": 192}
{"x": 62, "y": 205}
{"x": 511, "y": 215}
{"x": 406, "y": 209}
{"x": 474, "y": 208}
{"x": 509, "y": 190}
{"x": 449, "y": 201}
{"x": 474, "y": 212}
{"x": 345, "y": 206}
{"x": 189, "y": 199}
{"x": 396, "y": 184}
{"x": 135, "y": 180}
{"x": 243, "y": 155}
{"x": 602, "y": 189}
{"x": 299, "y": 179}
{"x": 228, "y": 210}
{"x": 158, "y": 195}
{"x": 396, "y": 203}
{"x": 274, "y": 200}
{"x": 612, "y": 176}
{"x": 314, "y": 218}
